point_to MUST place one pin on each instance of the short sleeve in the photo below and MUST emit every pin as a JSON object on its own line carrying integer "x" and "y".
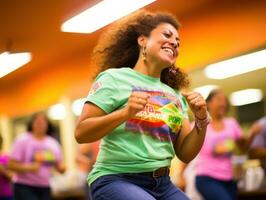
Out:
{"x": 237, "y": 129}
{"x": 258, "y": 141}
{"x": 262, "y": 123}
{"x": 18, "y": 150}
{"x": 184, "y": 106}
{"x": 104, "y": 92}
{"x": 4, "y": 160}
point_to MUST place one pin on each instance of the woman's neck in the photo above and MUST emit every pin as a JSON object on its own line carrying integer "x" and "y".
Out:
{"x": 39, "y": 136}
{"x": 147, "y": 68}
{"x": 217, "y": 122}
{"x": 217, "y": 118}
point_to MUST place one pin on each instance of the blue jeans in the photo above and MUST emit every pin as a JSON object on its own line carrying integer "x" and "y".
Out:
{"x": 135, "y": 187}
{"x": 6, "y": 198}
{"x": 213, "y": 189}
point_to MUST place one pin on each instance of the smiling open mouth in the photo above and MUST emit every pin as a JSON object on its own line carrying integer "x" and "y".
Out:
{"x": 169, "y": 50}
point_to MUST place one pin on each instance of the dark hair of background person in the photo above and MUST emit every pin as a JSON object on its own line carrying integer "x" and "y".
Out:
{"x": 50, "y": 128}
{"x": 215, "y": 92}
{"x": 118, "y": 47}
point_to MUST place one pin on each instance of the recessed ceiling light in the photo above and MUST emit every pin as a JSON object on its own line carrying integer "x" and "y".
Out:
{"x": 9, "y": 62}
{"x": 237, "y": 65}
{"x": 102, "y": 14}
{"x": 57, "y": 112}
{"x": 247, "y": 96}
{"x": 77, "y": 106}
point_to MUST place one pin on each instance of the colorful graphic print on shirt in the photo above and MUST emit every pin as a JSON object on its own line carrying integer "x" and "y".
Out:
{"x": 44, "y": 156}
{"x": 96, "y": 86}
{"x": 161, "y": 118}
{"x": 223, "y": 146}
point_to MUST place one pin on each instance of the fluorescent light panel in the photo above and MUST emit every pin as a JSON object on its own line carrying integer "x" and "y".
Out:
{"x": 57, "y": 112}
{"x": 77, "y": 106}
{"x": 9, "y": 62}
{"x": 237, "y": 65}
{"x": 247, "y": 96}
{"x": 205, "y": 90}
{"x": 102, "y": 14}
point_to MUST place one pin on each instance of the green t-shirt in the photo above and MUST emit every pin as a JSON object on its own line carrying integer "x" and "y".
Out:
{"x": 143, "y": 143}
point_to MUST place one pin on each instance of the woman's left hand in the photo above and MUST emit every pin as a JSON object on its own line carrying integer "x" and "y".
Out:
{"x": 197, "y": 104}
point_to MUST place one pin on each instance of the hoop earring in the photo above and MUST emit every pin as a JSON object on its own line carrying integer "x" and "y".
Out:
{"x": 144, "y": 53}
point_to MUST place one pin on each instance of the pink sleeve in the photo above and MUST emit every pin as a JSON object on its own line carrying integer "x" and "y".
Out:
{"x": 4, "y": 160}
{"x": 237, "y": 129}
{"x": 17, "y": 152}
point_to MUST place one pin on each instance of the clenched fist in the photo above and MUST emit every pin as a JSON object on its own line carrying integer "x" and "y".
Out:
{"x": 136, "y": 103}
{"x": 197, "y": 104}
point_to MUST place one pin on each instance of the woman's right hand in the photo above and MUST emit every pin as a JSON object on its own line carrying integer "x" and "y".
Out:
{"x": 94, "y": 123}
{"x": 136, "y": 102}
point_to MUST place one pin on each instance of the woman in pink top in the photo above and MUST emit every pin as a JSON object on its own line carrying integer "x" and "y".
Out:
{"x": 5, "y": 176}
{"x": 214, "y": 178}
{"x": 214, "y": 171}
{"x": 33, "y": 157}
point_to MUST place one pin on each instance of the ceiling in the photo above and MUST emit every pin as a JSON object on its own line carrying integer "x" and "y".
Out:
{"x": 211, "y": 31}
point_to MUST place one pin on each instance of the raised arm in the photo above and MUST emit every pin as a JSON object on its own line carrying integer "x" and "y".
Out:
{"x": 94, "y": 123}
{"x": 258, "y": 150}
{"x": 189, "y": 142}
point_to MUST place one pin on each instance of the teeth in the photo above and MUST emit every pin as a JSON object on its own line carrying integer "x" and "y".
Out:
{"x": 169, "y": 50}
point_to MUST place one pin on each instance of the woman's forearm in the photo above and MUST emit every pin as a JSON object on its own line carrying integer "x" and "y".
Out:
{"x": 5, "y": 172}
{"x": 257, "y": 153}
{"x": 191, "y": 144}
{"x": 22, "y": 167}
{"x": 94, "y": 128}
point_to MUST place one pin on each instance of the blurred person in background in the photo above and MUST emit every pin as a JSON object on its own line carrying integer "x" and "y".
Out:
{"x": 186, "y": 180}
{"x": 258, "y": 146}
{"x": 214, "y": 168}
{"x": 34, "y": 155}
{"x": 5, "y": 175}
{"x": 85, "y": 159}
{"x": 138, "y": 111}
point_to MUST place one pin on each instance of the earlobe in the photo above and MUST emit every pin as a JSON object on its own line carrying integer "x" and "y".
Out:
{"x": 142, "y": 40}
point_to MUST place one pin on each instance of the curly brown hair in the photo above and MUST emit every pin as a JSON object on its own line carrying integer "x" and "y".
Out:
{"x": 118, "y": 47}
